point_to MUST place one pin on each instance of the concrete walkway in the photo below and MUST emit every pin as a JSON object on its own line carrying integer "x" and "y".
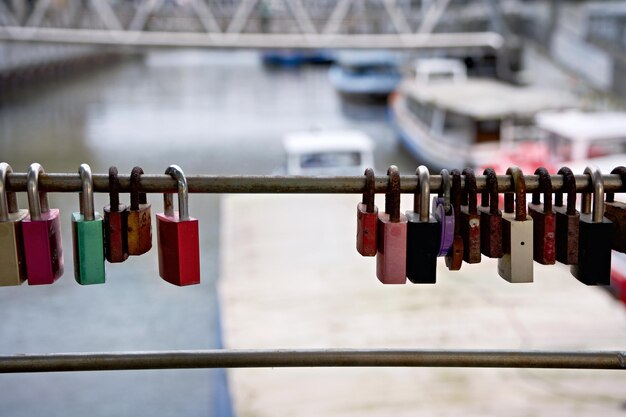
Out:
{"x": 291, "y": 278}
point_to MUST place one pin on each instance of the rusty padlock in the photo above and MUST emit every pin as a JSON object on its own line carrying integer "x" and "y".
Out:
{"x": 392, "y": 235}
{"x": 12, "y": 265}
{"x": 594, "y": 244}
{"x": 616, "y": 212}
{"x": 544, "y": 221}
{"x": 490, "y": 218}
{"x": 567, "y": 220}
{"x": 139, "y": 229}
{"x": 367, "y": 218}
{"x": 470, "y": 219}
{"x": 516, "y": 265}
{"x": 177, "y": 234}
{"x": 115, "y": 222}
{"x": 43, "y": 247}
{"x": 424, "y": 234}
{"x": 454, "y": 258}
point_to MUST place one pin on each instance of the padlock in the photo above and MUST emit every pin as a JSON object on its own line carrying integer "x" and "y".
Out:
{"x": 516, "y": 265}
{"x": 43, "y": 246}
{"x": 544, "y": 221}
{"x": 139, "y": 231}
{"x": 367, "y": 218}
{"x": 12, "y": 265}
{"x": 88, "y": 235}
{"x": 177, "y": 236}
{"x": 423, "y": 235}
{"x": 594, "y": 244}
{"x": 616, "y": 212}
{"x": 392, "y": 232}
{"x": 454, "y": 257}
{"x": 115, "y": 222}
{"x": 444, "y": 214}
{"x": 490, "y": 217}
{"x": 470, "y": 219}
{"x": 567, "y": 220}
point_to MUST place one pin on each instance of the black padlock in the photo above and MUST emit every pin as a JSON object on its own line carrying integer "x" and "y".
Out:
{"x": 423, "y": 235}
{"x": 567, "y": 220}
{"x": 594, "y": 244}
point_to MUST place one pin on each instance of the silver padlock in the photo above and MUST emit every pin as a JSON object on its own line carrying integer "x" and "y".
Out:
{"x": 516, "y": 265}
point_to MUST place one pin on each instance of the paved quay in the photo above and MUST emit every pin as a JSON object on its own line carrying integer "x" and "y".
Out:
{"x": 291, "y": 278}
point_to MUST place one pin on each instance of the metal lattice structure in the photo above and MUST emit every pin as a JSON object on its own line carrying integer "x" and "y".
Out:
{"x": 259, "y": 23}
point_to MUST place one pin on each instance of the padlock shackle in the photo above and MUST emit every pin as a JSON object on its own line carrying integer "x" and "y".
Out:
{"x": 8, "y": 200}
{"x": 86, "y": 195}
{"x": 37, "y": 202}
{"x": 519, "y": 184}
{"x": 456, "y": 199}
{"x": 424, "y": 197}
{"x": 489, "y": 197}
{"x": 545, "y": 186}
{"x": 621, "y": 171}
{"x": 470, "y": 191}
{"x": 446, "y": 186}
{"x": 369, "y": 192}
{"x": 569, "y": 185}
{"x": 136, "y": 197}
{"x": 114, "y": 189}
{"x": 183, "y": 194}
{"x": 392, "y": 197}
{"x": 598, "y": 192}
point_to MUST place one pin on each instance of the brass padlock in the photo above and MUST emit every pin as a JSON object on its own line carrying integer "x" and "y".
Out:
{"x": 516, "y": 265}
{"x": 139, "y": 218}
{"x": 12, "y": 263}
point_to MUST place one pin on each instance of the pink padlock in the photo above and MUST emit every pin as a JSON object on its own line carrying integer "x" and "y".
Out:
{"x": 392, "y": 230}
{"x": 43, "y": 249}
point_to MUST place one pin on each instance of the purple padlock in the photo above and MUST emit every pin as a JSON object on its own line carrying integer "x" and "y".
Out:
{"x": 442, "y": 211}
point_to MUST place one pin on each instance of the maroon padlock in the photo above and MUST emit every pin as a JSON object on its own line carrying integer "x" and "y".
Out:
{"x": 544, "y": 221}
{"x": 115, "y": 222}
{"x": 567, "y": 220}
{"x": 615, "y": 211}
{"x": 454, "y": 257}
{"x": 43, "y": 248}
{"x": 392, "y": 229}
{"x": 177, "y": 234}
{"x": 490, "y": 218}
{"x": 367, "y": 218}
{"x": 470, "y": 219}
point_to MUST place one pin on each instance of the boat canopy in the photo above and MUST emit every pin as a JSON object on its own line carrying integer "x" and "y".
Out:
{"x": 485, "y": 99}
{"x": 580, "y": 126}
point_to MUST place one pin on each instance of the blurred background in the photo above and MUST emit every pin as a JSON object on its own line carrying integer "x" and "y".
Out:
{"x": 294, "y": 87}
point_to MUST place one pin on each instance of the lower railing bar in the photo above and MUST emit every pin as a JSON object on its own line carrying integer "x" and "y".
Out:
{"x": 151, "y": 183}
{"x": 67, "y": 362}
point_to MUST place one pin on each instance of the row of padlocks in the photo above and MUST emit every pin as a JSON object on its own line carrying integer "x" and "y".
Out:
{"x": 457, "y": 228}
{"x": 30, "y": 240}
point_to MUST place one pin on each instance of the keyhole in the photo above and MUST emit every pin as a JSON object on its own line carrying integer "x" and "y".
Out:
{"x": 522, "y": 243}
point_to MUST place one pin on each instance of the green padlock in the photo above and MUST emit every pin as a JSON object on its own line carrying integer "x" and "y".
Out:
{"x": 88, "y": 235}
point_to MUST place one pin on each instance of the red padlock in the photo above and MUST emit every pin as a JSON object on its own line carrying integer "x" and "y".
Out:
{"x": 544, "y": 221}
{"x": 177, "y": 234}
{"x": 470, "y": 219}
{"x": 43, "y": 249}
{"x": 367, "y": 218}
{"x": 392, "y": 230}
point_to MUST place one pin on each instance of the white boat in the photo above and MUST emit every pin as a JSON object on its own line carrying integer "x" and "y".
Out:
{"x": 447, "y": 119}
{"x": 372, "y": 74}
{"x": 328, "y": 152}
